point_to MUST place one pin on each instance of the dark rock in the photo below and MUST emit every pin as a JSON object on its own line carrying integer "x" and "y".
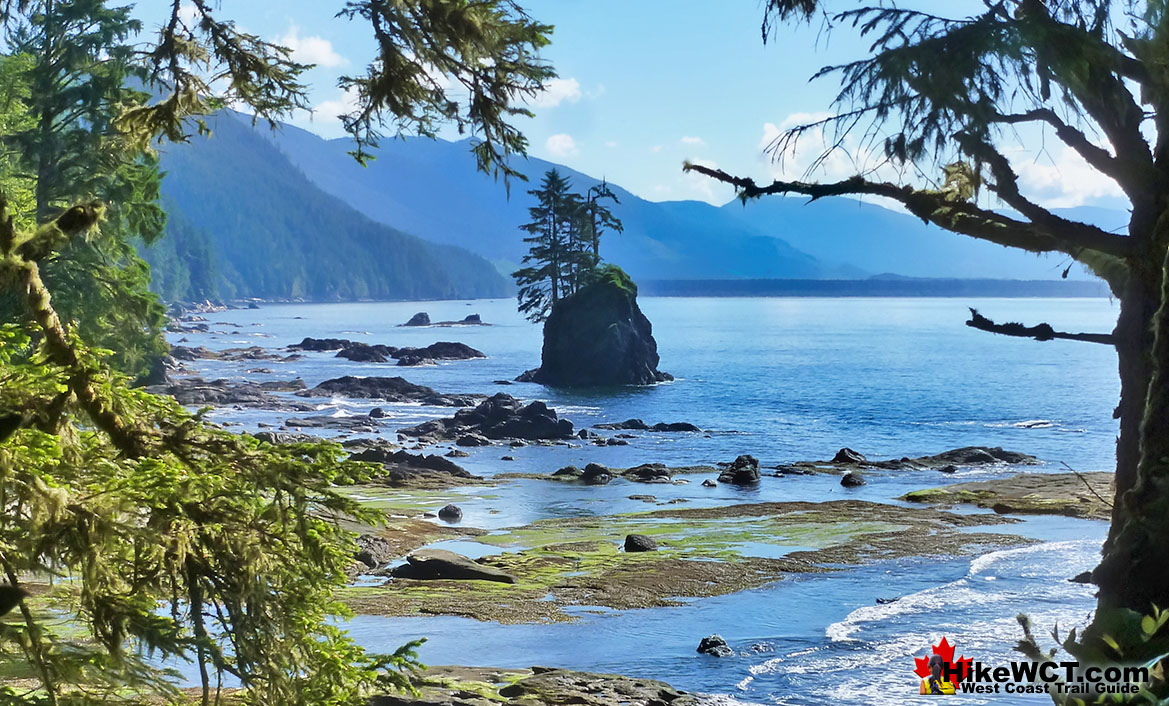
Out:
{"x": 886, "y": 601}
{"x": 599, "y": 336}
{"x": 572, "y": 471}
{"x": 443, "y": 350}
{"x": 847, "y": 455}
{"x": 715, "y": 646}
{"x": 498, "y": 417}
{"x": 596, "y": 474}
{"x": 395, "y": 389}
{"x": 708, "y": 483}
{"x": 373, "y": 551}
{"x": 284, "y": 437}
{"x": 950, "y": 468}
{"x": 253, "y": 305}
{"x": 649, "y": 473}
{"x": 438, "y": 564}
{"x": 634, "y": 424}
{"x": 674, "y": 426}
{"x": 639, "y": 543}
{"x": 744, "y": 470}
{"x": 197, "y": 392}
{"x": 502, "y": 382}
{"x": 616, "y": 442}
{"x": 377, "y": 413}
{"x": 325, "y": 421}
{"x": 1082, "y": 577}
{"x": 321, "y": 344}
{"x": 450, "y": 513}
{"x": 473, "y": 440}
{"x": 472, "y": 319}
{"x": 366, "y": 353}
{"x": 852, "y": 480}
{"x": 457, "y": 453}
{"x": 419, "y": 319}
{"x": 507, "y": 458}
{"x": 410, "y": 469}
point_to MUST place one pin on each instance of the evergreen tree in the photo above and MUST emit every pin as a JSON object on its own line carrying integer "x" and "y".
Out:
{"x": 78, "y": 63}
{"x": 551, "y": 233}
{"x": 564, "y": 234}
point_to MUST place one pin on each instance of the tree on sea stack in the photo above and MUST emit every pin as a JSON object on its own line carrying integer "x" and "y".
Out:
{"x": 953, "y": 97}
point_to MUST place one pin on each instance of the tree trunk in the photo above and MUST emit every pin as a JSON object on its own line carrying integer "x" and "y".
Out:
{"x": 1134, "y": 572}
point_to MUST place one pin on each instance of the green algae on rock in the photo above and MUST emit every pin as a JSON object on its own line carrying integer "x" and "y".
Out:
{"x": 1072, "y": 494}
{"x": 566, "y": 566}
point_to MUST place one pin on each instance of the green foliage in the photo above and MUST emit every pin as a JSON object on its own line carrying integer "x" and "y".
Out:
{"x": 213, "y": 547}
{"x": 564, "y": 234}
{"x": 69, "y": 70}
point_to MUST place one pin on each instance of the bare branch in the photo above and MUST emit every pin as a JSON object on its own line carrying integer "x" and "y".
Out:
{"x": 1040, "y": 332}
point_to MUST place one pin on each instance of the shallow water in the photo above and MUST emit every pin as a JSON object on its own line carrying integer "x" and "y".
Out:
{"x": 784, "y": 380}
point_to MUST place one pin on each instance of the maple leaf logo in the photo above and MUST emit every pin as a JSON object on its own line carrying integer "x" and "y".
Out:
{"x": 945, "y": 650}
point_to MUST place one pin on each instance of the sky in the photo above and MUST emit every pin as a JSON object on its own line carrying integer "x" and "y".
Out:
{"x": 645, "y": 85}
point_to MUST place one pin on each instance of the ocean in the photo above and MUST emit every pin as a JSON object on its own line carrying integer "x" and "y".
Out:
{"x": 783, "y": 379}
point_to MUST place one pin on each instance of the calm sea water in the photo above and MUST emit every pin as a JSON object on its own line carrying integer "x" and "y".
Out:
{"x": 785, "y": 380}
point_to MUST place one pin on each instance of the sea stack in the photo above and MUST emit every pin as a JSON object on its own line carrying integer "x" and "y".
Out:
{"x": 598, "y": 336}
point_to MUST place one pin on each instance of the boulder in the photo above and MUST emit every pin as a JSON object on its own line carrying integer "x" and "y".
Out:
{"x": 598, "y": 336}
{"x": 852, "y": 480}
{"x": 715, "y": 646}
{"x": 708, "y": 483}
{"x": 634, "y": 424}
{"x": 419, "y": 319}
{"x": 639, "y": 543}
{"x": 744, "y": 470}
{"x": 473, "y": 440}
{"x": 649, "y": 473}
{"x": 443, "y": 350}
{"x": 847, "y": 455}
{"x": 406, "y": 468}
{"x": 596, "y": 474}
{"x": 373, "y": 551}
{"x": 674, "y": 426}
{"x": 377, "y": 413}
{"x": 472, "y": 319}
{"x": 437, "y": 564}
{"x": 451, "y": 513}
{"x": 571, "y": 471}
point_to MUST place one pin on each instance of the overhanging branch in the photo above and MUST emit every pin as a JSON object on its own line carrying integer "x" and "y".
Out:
{"x": 937, "y": 208}
{"x": 1040, "y": 332}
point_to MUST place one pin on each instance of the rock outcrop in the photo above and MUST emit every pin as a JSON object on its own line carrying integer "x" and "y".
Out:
{"x": 438, "y": 564}
{"x": 496, "y": 418}
{"x": 715, "y": 646}
{"x": 638, "y": 425}
{"x": 395, "y": 389}
{"x": 197, "y": 392}
{"x": 419, "y": 319}
{"x": 599, "y": 336}
{"x": 744, "y": 470}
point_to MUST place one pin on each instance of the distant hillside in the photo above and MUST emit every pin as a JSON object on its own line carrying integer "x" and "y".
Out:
{"x": 245, "y": 222}
{"x": 430, "y": 188}
{"x": 847, "y": 231}
{"x": 874, "y": 287}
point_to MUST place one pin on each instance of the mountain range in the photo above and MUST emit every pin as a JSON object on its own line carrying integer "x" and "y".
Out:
{"x": 286, "y": 213}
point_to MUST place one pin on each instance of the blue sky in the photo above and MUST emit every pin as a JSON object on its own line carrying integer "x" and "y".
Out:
{"x": 645, "y": 85}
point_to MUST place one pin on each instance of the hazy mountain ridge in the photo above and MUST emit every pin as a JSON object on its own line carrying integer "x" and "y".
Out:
{"x": 265, "y": 230}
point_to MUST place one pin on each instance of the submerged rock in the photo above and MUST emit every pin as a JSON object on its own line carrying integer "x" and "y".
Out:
{"x": 744, "y": 470}
{"x": 599, "y": 336}
{"x": 437, "y": 564}
{"x": 715, "y": 646}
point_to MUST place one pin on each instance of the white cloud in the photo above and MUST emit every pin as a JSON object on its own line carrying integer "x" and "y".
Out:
{"x": 561, "y": 145}
{"x": 693, "y": 141}
{"x": 312, "y": 49}
{"x": 557, "y": 91}
{"x": 611, "y": 144}
{"x": 1062, "y": 179}
{"x": 188, "y": 14}
{"x": 330, "y": 111}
